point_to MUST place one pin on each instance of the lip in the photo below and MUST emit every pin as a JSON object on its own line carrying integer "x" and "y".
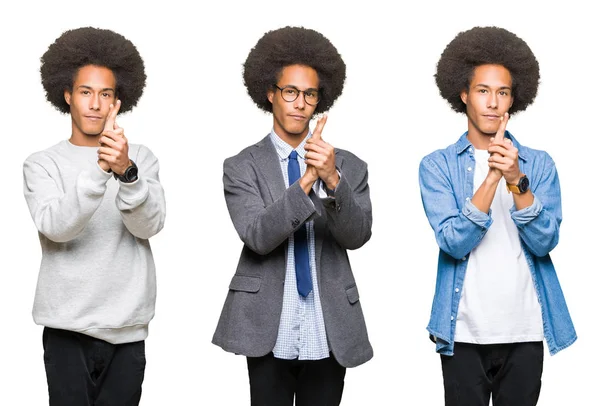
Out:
{"x": 297, "y": 116}
{"x": 491, "y": 116}
{"x": 94, "y": 118}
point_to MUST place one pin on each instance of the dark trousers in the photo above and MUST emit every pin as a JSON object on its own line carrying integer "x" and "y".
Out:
{"x": 85, "y": 371}
{"x": 511, "y": 373}
{"x": 274, "y": 381}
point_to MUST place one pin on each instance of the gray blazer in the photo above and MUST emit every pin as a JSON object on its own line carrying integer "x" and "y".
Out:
{"x": 264, "y": 214}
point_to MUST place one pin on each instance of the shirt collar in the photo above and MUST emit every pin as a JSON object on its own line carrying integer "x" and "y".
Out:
{"x": 284, "y": 149}
{"x": 463, "y": 143}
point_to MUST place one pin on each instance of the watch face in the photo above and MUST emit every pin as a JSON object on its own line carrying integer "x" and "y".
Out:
{"x": 131, "y": 173}
{"x": 524, "y": 184}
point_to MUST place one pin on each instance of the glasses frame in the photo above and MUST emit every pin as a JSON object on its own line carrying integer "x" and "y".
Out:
{"x": 281, "y": 89}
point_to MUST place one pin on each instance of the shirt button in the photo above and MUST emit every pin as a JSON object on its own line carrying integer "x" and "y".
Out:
{"x": 456, "y": 290}
{"x": 467, "y": 199}
{"x": 470, "y": 149}
{"x": 295, "y": 222}
{"x": 469, "y": 169}
{"x": 451, "y": 318}
{"x": 463, "y": 258}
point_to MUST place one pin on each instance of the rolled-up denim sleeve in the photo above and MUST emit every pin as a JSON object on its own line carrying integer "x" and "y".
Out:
{"x": 457, "y": 229}
{"x": 539, "y": 223}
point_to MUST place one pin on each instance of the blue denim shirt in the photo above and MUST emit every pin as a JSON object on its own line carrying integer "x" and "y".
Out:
{"x": 446, "y": 181}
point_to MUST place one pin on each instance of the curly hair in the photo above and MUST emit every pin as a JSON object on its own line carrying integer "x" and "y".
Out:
{"x": 80, "y": 47}
{"x": 294, "y": 46}
{"x": 482, "y": 46}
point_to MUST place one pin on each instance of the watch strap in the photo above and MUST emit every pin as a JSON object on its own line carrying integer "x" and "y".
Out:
{"x": 130, "y": 174}
{"x": 513, "y": 189}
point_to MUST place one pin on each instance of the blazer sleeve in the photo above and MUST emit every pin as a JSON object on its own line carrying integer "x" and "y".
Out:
{"x": 262, "y": 225}
{"x": 349, "y": 215}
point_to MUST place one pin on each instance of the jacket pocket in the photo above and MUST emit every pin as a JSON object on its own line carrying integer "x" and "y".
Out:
{"x": 352, "y": 294}
{"x": 245, "y": 283}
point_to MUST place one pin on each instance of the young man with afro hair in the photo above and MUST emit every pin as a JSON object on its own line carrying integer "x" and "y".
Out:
{"x": 95, "y": 200}
{"x": 298, "y": 204}
{"x": 494, "y": 206}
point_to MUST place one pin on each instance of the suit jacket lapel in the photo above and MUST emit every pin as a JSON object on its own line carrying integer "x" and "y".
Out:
{"x": 267, "y": 162}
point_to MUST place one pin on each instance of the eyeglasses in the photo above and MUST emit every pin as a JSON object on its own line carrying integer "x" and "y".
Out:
{"x": 290, "y": 93}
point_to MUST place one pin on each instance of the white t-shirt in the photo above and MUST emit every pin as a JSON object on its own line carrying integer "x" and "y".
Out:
{"x": 498, "y": 303}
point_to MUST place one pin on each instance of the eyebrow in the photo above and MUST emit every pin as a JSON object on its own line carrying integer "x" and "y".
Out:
{"x": 102, "y": 90}
{"x": 489, "y": 87}
{"x": 297, "y": 88}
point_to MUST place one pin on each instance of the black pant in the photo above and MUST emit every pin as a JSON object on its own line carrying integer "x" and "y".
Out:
{"x": 274, "y": 381}
{"x": 511, "y": 373}
{"x": 85, "y": 371}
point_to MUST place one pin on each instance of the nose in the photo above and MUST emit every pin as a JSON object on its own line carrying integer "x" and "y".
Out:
{"x": 492, "y": 101}
{"x": 299, "y": 103}
{"x": 95, "y": 102}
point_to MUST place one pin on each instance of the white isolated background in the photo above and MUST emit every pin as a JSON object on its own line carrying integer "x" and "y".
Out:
{"x": 195, "y": 112}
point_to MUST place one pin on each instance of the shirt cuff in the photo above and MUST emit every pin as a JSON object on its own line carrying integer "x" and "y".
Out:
{"x": 477, "y": 216}
{"x": 527, "y": 214}
{"x": 322, "y": 188}
{"x": 99, "y": 175}
{"x": 133, "y": 192}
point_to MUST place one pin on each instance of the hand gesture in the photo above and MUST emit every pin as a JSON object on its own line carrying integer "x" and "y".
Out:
{"x": 321, "y": 156}
{"x": 504, "y": 157}
{"x": 114, "y": 149}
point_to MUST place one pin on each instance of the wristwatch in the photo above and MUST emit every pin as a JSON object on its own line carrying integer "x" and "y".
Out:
{"x": 521, "y": 187}
{"x": 130, "y": 174}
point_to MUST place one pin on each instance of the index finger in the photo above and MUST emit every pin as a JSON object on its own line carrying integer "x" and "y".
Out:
{"x": 499, "y": 138}
{"x": 113, "y": 110}
{"x": 319, "y": 127}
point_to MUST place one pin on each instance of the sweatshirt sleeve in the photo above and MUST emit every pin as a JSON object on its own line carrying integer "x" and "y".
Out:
{"x": 60, "y": 212}
{"x": 142, "y": 203}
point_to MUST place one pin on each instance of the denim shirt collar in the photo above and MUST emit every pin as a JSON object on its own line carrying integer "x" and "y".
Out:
{"x": 463, "y": 144}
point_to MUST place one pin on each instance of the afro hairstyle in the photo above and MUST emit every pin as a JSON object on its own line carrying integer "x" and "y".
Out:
{"x": 80, "y": 47}
{"x": 294, "y": 46}
{"x": 482, "y": 46}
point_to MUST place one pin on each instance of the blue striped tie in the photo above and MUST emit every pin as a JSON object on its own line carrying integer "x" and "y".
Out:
{"x": 303, "y": 278}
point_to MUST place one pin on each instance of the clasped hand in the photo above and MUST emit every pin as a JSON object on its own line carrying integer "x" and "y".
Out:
{"x": 320, "y": 158}
{"x": 113, "y": 153}
{"x": 504, "y": 156}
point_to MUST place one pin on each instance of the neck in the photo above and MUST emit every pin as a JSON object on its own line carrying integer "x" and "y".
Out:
{"x": 84, "y": 140}
{"x": 477, "y": 138}
{"x": 479, "y": 141}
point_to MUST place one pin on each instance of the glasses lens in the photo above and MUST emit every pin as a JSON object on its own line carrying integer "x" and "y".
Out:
{"x": 311, "y": 97}
{"x": 289, "y": 94}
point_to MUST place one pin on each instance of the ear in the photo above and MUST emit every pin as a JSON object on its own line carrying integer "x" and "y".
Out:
{"x": 463, "y": 96}
{"x": 67, "y": 95}
{"x": 512, "y": 99}
{"x": 270, "y": 94}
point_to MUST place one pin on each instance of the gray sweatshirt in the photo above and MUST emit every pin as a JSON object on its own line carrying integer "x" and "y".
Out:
{"x": 97, "y": 274}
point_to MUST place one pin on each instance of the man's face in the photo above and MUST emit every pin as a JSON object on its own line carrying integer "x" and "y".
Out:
{"x": 93, "y": 92}
{"x": 291, "y": 119}
{"x": 489, "y": 96}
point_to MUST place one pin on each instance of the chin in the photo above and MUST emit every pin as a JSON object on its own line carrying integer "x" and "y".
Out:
{"x": 491, "y": 131}
{"x": 92, "y": 133}
{"x": 296, "y": 129}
